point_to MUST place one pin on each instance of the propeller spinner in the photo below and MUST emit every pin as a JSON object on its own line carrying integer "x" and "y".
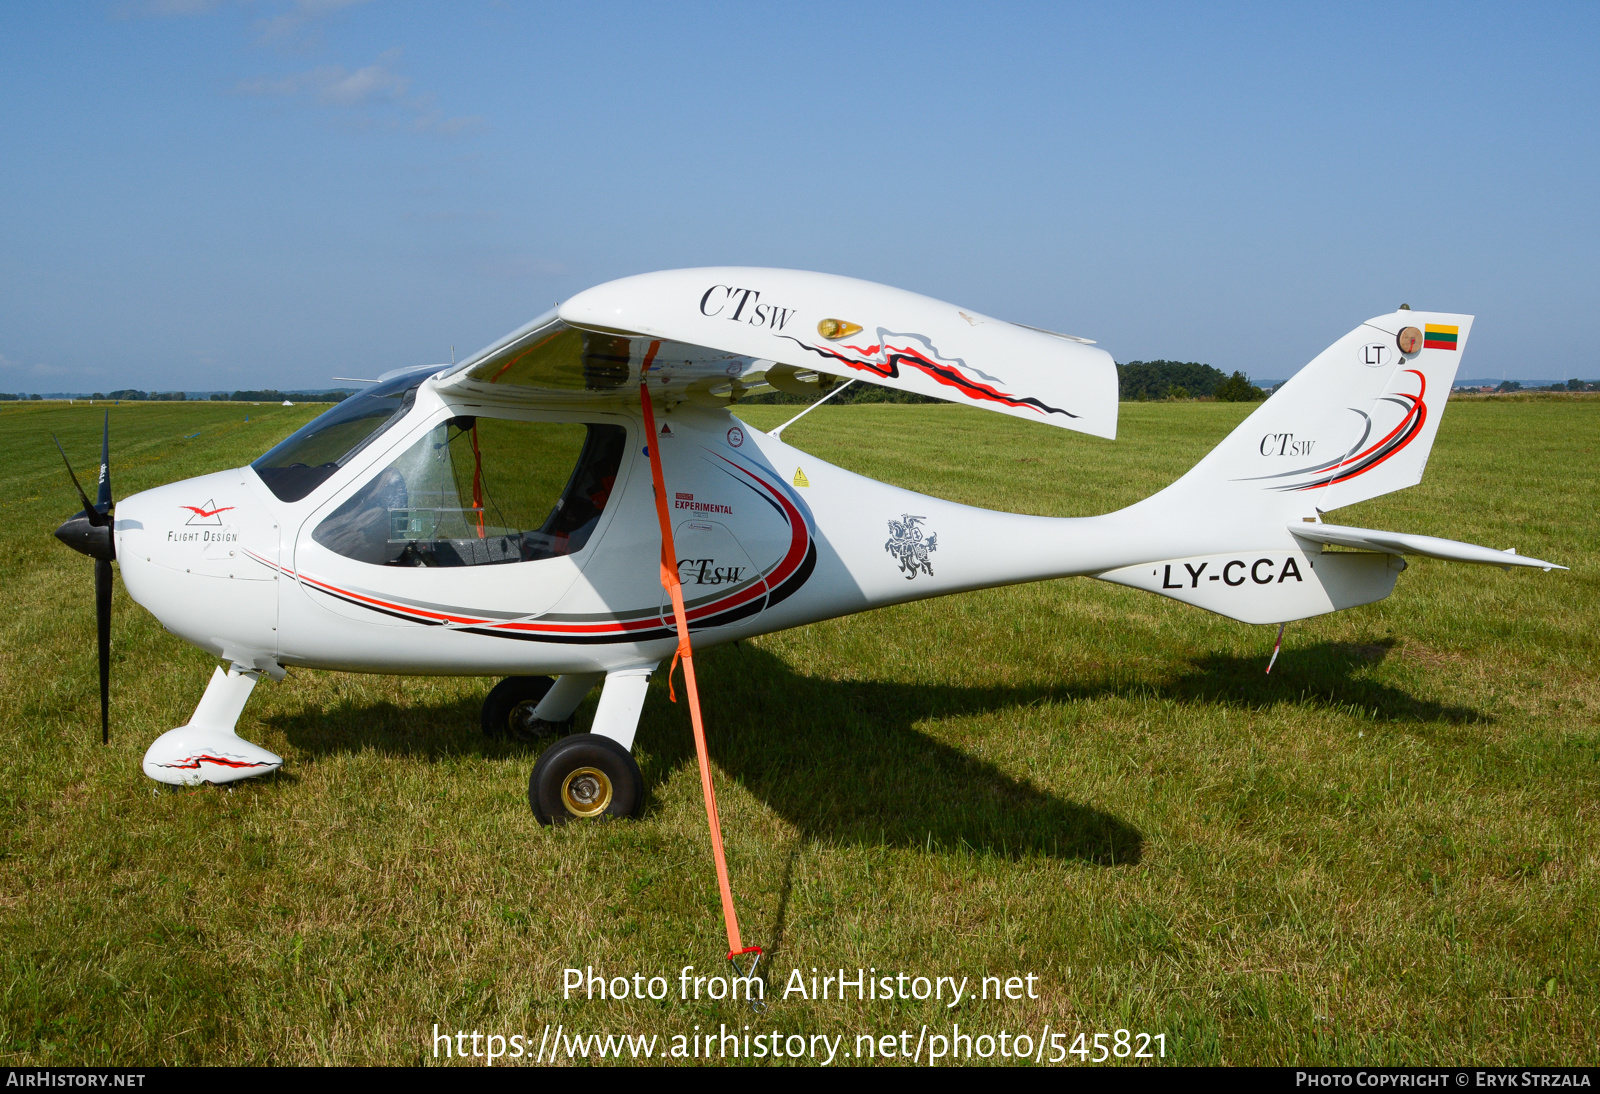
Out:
{"x": 89, "y": 533}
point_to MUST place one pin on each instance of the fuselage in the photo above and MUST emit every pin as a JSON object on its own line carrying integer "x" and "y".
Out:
{"x": 767, "y": 537}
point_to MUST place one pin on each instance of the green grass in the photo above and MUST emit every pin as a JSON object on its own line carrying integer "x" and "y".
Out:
{"x": 1383, "y": 852}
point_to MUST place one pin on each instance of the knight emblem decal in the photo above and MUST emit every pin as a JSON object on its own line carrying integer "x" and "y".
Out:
{"x": 910, "y": 546}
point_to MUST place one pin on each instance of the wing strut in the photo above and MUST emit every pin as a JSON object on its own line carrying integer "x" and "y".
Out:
{"x": 669, "y": 579}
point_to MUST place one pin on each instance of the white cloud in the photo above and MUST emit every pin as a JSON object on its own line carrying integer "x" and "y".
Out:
{"x": 181, "y": 7}
{"x": 293, "y": 27}
{"x": 284, "y": 29}
{"x": 374, "y": 93}
{"x": 372, "y": 82}
{"x": 427, "y": 118}
{"x": 334, "y": 85}
{"x": 299, "y": 13}
{"x": 161, "y": 8}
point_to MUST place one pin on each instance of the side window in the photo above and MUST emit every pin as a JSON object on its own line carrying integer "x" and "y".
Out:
{"x": 479, "y": 491}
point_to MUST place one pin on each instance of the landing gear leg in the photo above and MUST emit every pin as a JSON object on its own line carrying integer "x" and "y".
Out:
{"x": 562, "y": 700}
{"x": 589, "y": 775}
{"x": 207, "y": 750}
{"x": 526, "y": 708}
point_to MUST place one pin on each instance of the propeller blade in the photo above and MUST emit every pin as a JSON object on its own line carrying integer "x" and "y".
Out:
{"x": 90, "y": 533}
{"x": 102, "y": 611}
{"x": 89, "y": 511}
{"x": 102, "y": 499}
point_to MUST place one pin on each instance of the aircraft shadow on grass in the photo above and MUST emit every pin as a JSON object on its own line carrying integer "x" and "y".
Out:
{"x": 844, "y": 761}
{"x": 1332, "y": 675}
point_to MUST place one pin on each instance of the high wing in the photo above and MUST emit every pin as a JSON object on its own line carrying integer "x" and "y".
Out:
{"x": 712, "y": 334}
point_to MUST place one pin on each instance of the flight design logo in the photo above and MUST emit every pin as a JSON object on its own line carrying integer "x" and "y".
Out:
{"x": 209, "y": 513}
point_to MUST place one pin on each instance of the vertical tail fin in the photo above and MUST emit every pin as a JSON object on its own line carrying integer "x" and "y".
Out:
{"x": 1356, "y": 422}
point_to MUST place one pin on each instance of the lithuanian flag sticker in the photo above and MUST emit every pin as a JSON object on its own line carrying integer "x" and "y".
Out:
{"x": 1439, "y": 337}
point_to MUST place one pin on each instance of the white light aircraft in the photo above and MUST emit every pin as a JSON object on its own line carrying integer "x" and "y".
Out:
{"x": 497, "y": 517}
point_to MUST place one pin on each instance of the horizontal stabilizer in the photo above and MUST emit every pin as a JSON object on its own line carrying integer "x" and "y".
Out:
{"x": 1399, "y": 543}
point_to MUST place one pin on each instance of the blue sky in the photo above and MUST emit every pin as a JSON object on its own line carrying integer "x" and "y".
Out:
{"x": 218, "y": 194}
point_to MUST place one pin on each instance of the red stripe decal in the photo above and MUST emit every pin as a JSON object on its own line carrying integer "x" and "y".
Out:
{"x": 193, "y": 763}
{"x": 799, "y": 543}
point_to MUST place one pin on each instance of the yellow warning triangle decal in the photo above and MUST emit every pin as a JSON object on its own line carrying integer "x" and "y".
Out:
{"x": 800, "y": 478}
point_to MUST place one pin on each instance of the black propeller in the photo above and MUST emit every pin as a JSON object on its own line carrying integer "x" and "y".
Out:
{"x": 89, "y": 533}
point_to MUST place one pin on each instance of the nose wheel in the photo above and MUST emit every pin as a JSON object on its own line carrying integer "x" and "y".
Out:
{"x": 583, "y": 777}
{"x": 508, "y": 710}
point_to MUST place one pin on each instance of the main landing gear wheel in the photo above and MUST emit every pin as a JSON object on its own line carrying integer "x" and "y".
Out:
{"x": 508, "y": 709}
{"x": 582, "y": 777}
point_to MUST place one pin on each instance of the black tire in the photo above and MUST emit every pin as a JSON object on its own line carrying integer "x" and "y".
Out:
{"x": 508, "y": 709}
{"x": 585, "y": 777}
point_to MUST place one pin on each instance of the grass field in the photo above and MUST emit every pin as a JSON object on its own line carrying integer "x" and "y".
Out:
{"x": 1385, "y": 851}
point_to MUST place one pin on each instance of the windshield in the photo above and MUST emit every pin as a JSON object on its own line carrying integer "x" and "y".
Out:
{"x": 312, "y": 453}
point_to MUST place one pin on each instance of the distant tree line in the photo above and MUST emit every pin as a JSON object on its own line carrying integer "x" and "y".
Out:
{"x": 1570, "y": 385}
{"x": 273, "y": 396}
{"x": 134, "y": 395}
{"x": 1143, "y": 381}
{"x": 1137, "y": 381}
{"x": 856, "y": 393}
{"x": 1508, "y": 386}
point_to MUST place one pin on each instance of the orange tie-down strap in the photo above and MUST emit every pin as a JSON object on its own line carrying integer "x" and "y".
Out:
{"x": 669, "y": 579}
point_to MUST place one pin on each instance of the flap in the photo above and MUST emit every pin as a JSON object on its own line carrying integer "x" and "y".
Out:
{"x": 719, "y": 329}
